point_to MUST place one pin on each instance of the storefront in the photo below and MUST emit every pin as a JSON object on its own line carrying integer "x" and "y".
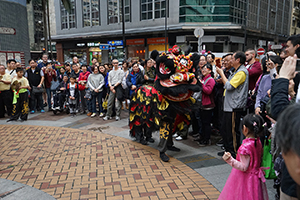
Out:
{"x": 136, "y": 48}
{"x": 94, "y": 51}
{"x": 116, "y": 50}
{"x": 157, "y": 44}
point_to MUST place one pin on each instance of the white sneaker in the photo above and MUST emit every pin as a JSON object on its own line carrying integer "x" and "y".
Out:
{"x": 175, "y": 135}
{"x": 93, "y": 115}
{"x": 179, "y": 138}
{"x": 117, "y": 118}
{"x": 106, "y": 118}
{"x": 101, "y": 115}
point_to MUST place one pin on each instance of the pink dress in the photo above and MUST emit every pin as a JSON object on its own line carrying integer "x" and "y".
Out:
{"x": 246, "y": 180}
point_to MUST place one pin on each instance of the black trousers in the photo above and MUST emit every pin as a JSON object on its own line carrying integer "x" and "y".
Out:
{"x": 165, "y": 134}
{"x": 6, "y": 98}
{"x": 206, "y": 117}
{"x": 196, "y": 121}
{"x": 231, "y": 130}
{"x": 20, "y": 109}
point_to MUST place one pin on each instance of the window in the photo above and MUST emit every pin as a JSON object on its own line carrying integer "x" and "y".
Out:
{"x": 115, "y": 11}
{"x": 68, "y": 20}
{"x": 90, "y": 13}
{"x": 153, "y": 9}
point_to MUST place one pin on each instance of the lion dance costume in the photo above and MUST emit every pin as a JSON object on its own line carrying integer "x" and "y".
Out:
{"x": 167, "y": 105}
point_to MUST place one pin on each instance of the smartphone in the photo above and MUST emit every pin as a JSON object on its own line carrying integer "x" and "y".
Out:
{"x": 218, "y": 63}
{"x": 268, "y": 57}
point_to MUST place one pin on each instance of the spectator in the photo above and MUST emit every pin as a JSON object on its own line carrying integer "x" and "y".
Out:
{"x": 68, "y": 70}
{"x": 96, "y": 83}
{"x": 93, "y": 61}
{"x": 73, "y": 94}
{"x": 253, "y": 67}
{"x": 44, "y": 62}
{"x": 76, "y": 71}
{"x": 220, "y": 93}
{"x": 116, "y": 91}
{"x": 265, "y": 81}
{"x": 5, "y": 93}
{"x": 49, "y": 75}
{"x": 236, "y": 87}
{"x": 149, "y": 72}
{"x": 20, "y": 101}
{"x": 61, "y": 93}
{"x": 36, "y": 79}
{"x": 288, "y": 138}
{"x": 125, "y": 68}
{"x": 11, "y": 68}
{"x": 135, "y": 78}
{"x": 279, "y": 102}
{"x": 208, "y": 104}
{"x": 75, "y": 60}
{"x": 211, "y": 60}
{"x": 61, "y": 74}
{"x": 82, "y": 80}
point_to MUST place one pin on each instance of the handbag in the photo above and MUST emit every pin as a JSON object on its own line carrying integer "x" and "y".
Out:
{"x": 37, "y": 90}
{"x": 104, "y": 103}
{"x": 81, "y": 87}
{"x": 267, "y": 161}
{"x": 54, "y": 85}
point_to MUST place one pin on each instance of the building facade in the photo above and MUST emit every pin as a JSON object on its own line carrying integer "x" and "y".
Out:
{"x": 229, "y": 25}
{"x": 295, "y": 24}
{"x": 14, "y": 39}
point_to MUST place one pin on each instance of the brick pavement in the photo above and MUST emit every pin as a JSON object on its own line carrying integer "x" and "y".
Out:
{"x": 81, "y": 164}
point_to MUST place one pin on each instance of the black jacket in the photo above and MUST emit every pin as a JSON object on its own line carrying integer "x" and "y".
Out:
{"x": 279, "y": 101}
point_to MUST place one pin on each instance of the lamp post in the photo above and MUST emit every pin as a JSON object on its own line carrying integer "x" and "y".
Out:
{"x": 166, "y": 23}
{"x": 123, "y": 29}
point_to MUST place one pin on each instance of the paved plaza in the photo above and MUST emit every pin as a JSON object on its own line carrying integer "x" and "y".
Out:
{"x": 88, "y": 158}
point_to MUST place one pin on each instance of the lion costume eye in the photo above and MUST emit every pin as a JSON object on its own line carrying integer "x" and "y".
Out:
{"x": 183, "y": 62}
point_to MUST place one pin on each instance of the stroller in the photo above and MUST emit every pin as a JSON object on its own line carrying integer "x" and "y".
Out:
{"x": 56, "y": 103}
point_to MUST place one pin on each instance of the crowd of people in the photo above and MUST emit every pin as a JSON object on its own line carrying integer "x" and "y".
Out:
{"x": 241, "y": 99}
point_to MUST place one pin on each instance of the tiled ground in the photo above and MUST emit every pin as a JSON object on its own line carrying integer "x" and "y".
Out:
{"x": 81, "y": 164}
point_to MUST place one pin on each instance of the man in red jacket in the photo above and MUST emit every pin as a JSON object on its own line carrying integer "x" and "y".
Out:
{"x": 253, "y": 67}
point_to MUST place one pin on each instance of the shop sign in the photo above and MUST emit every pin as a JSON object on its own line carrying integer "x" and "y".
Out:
{"x": 115, "y": 43}
{"x": 135, "y": 42}
{"x": 93, "y": 44}
{"x": 9, "y": 31}
{"x": 104, "y": 46}
{"x": 80, "y": 44}
{"x": 156, "y": 40}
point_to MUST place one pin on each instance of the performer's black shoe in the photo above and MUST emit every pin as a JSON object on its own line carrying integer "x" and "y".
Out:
{"x": 164, "y": 157}
{"x": 172, "y": 148}
{"x": 144, "y": 142}
{"x": 11, "y": 120}
{"x": 150, "y": 140}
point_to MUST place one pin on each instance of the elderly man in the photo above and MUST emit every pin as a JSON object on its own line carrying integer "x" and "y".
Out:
{"x": 5, "y": 93}
{"x": 236, "y": 90}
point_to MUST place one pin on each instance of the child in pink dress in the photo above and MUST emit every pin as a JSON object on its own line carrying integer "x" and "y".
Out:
{"x": 246, "y": 180}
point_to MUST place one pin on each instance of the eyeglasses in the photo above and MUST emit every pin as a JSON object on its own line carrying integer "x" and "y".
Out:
{"x": 115, "y": 63}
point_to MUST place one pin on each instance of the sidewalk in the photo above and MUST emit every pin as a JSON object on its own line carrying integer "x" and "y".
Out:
{"x": 88, "y": 158}
{"x": 76, "y": 164}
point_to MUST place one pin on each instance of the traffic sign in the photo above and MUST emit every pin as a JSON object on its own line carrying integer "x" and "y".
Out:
{"x": 260, "y": 51}
{"x": 9, "y": 31}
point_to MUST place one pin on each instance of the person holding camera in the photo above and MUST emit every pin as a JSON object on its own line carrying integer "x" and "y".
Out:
{"x": 265, "y": 82}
